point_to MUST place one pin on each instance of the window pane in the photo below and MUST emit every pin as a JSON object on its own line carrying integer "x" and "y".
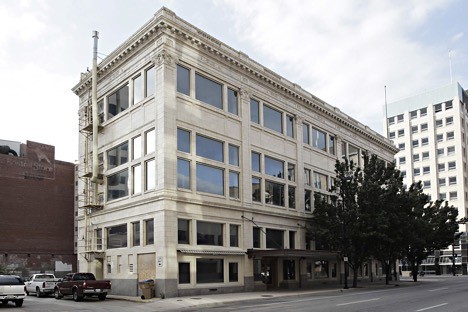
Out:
{"x": 149, "y": 227}
{"x": 292, "y": 197}
{"x": 183, "y": 80}
{"x": 150, "y": 137}
{"x": 209, "y": 148}
{"x": 117, "y": 185}
{"x": 292, "y": 240}
{"x": 183, "y": 174}
{"x": 210, "y": 179}
{"x": 117, "y": 156}
{"x": 184, "y": 273}
{"x": 272, "y": 119}
{"x": 117, "y": 236}
{"x": 308, "y": 200}
{"x": 274, "y": 239}
{"x": 274, "y": 193}
{"x": 137, "y": 179}
{"x": 331, "y": 144}
{"x": 291, "y": 172}
{"x": 290, "y": 126}
{"x": 136, "y": 233}
{"x": 256, "y": 237}
{"x": 255, "y": 162}
{"x": 318, "y": 139}
{"x": 289, "y": 269}
{"x": 305, "y": 134}
{"x": 101, "y": 111}
{"x": 183, "y": 140}
{"x": 233, "y": 272}
{"x": 150, "y": 81}
{"x": 209, "y": 233}
{"x": 150, "y": 167}
{"x": 183, "y": 233}
{"x": 353, "y": 154}
{"x": 137, "y": 89}
{"x": 256, "y": 190}
{"x": 136, "y": 143}
{"x": 321, "y": 269}
{"x": 117, "y": 102}
{"x": 233, "y": 155}
{"x": 233, "y": 184}
{"x": 274, "y": 167}
{"x": 320, "y": 181}
{"x": 233, "y": 235}
{"x": 254, "y": 111}
{"x": 232, "y": 102}
{"x": 208, "y": 91}
{"x": 210, "y": 271}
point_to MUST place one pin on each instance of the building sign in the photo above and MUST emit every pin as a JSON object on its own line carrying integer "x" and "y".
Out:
{"x": 38, "y": 162}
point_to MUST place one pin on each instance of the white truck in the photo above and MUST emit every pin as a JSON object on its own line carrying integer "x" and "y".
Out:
{"x": 40, "y": 284}
{"x": 12, "y": 289}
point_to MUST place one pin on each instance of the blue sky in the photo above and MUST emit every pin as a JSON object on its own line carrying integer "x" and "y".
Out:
{"x": 343, "y": 52}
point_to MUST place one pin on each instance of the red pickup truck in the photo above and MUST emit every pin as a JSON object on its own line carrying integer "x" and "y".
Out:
{"x": 80, "y": 285}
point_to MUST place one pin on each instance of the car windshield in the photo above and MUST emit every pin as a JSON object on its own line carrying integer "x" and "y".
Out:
{"x": 44, "y": 276}
{"x": 10, "y": 280}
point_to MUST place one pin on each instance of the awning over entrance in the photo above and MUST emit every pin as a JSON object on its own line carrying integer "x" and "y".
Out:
{"x": 287, "y": 253}
{"x": 211, "y": 252}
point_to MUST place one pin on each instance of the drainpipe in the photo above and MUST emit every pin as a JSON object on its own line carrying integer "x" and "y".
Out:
{"x": 94, "y": 177}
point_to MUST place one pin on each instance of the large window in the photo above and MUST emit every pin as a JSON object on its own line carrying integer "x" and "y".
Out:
{"x": 183, "y": 140}
{"x": 117, "y": 185}
{"x": 233, "y": 106}
{"x": 209, "y": 148}
{"x": 149, "y": 232}
{"x": 117, "y": 236}
{"x": 274, "y": 239}
{"x": 254, "y": 111}
{"x": 183, "y": 231}
{"x": 319, "y": 139}
{"x": 209, "y": 233}
{"x": 210, "y": 271}
{"x": 117, "y": 102}
{"x": 117, "y": 156}
{"x": 208, "y": 91}
{"x": 210, "y": 179}
{"x": 272, "y": 119}
{"x": 274, "y": 167}
{"x": 183, "y": 80}
{"x": 183, "y": 174}
{"x": 274, "y": 193}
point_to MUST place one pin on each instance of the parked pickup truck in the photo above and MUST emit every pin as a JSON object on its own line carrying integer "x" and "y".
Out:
{"x": 80, "y": 285}
{"x": 41, "y": 284}
{"x": 12, "y": 289}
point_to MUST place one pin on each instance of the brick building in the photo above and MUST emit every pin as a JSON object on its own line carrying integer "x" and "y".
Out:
{"x": 37, "y": 210}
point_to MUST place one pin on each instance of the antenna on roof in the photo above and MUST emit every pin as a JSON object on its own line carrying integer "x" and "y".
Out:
{"x": 450, "y": 65}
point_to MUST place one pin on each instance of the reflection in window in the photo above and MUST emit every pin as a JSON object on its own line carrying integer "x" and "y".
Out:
{"x": 117, "y": 156}
{"x": 117, "y": 236}
{"x": 274, "y": 239}
{"x": 137, "y": 179}
{"x": 183, "y": 140}
{"x": 150, "y": 167}
{"x": 183, "y": 174}
{"x": 321, "y": 269}
{"x": 233, "y": 184}
{"x": 320, "y": 181}
{"x": 232, "y": 102}
{"x": 255, "y": 162}
{"x": 256, "y": 190}
{"x": 101, "y": 111}
{"x": 331, "y": 144}
{"x": 290, "y": 126}
{"x": 117, "y": 102}
{"x": 150, "y": 81}
{"x": 307, "y": 177}
{"x": 353, "y": 154}
{"x": 274, "y": 167}
{"x": 209, "y": 233}
{"x": 292, "y": 197}
{"x": 183, "y": 232}
{"x": 274, "y": 193}
{"x": 254, "y": 111}
{"x": 208, "y": 91}
{"x": 209, "y": 148}
{"x": 319, "y": 139}
{"x": 210, "y": 271}
{"x": 291, "y": 172}
{"x": 308, "y": 200}
{"x": 272, "y": 119}
{"x": 117, "y": 185}
{"x": 233, "y": 155}
{"x": 305, "y": 133}
{"x": 210, "y": 179}
{"x": 183, "y": 80}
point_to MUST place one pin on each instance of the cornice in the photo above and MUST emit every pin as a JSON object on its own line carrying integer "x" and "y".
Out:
{"x": 166, "y": 21}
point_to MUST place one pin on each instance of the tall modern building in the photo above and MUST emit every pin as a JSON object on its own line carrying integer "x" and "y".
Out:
{"x": 205, "y": 166}
{"x": 430, "y": 130}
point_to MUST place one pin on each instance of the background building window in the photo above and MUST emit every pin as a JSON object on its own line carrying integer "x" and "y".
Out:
{"x": 289, "y": 270}
{"x": 184, "y": 273}
{"x": 254, "y": 111}
{"x": 150, "y": 174}
{"x": 149, "y": 232}
{"x": 233, "y": 155}
{"x": 150, "y": 146}
{"x": 290, "y": 126}
{"x": 183, "y": 140}
{"x": 274, "y": 167}
{"x": 233, "y": 184}
{"x": 255, "y": 162}
{"x": 117, "y": 185}
{"x": 150, "y": 81}
{"x": 183, "y": 231}
{"x": 233, "y": 272}
{"x": 210, "y": 179}
{"x": 136, "y": 172}
{"x": 138, "y": 92}
{"x": 117, "y": 236}
{"x": 331, "y": 144}
{"x": 209, "y": 233}
{"x": 209, "y": 148}
{"x": 210, "y": 271}
{"x": 272, "y": 119}
{"x": 274, "y": 239}
{"x": 208, "y": 91}
{"x": 256, "y": 190}
{"x": 233, "y": 106}
{"x": 117, "y": 102}
{"x": 136, "y": 146}
{"x": 274, "y": 193}
{"x": 305, "y": 133}
{"x": 308, "y": 200}
{"x": 233, "y": 235}
{"x": 291, "y": 197}
{"x": 117, "y": 156}
{"x": 136, "y": 233}
{"x": 256, "y": 237}
{"x": 319, "y": 139}
{"x": 183, "y": 80}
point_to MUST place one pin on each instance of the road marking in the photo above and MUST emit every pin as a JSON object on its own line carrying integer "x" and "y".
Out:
{"x": 361, "y": 301}
{"x": 437, "y": 289}
{"x": 436, "y": 306}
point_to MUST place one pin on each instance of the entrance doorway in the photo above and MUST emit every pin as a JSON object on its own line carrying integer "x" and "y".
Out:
{"x": 270, "y": 272}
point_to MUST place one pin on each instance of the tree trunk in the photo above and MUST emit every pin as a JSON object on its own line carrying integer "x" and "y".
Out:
{"x": 387, "y": 273}
{"x": 355, "y": 277}
{"x": 414, "y": 271}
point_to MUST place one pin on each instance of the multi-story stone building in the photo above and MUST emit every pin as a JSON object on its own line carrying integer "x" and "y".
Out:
{"x": 430, "y": 131}
{"x": 37, "y": 210}
{"x": 208, "y": 163}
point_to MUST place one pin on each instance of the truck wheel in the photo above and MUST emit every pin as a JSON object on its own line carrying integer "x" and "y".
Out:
{"x": 76, "y": 296}
{"x": 38, "y": 292}
{"x": 19, "y": 303}
{"x": 57, "y": 294}
{"x": 102, "y": 297}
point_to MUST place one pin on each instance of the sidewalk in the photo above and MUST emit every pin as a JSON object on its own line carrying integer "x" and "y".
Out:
{"x": 178, "y": 303}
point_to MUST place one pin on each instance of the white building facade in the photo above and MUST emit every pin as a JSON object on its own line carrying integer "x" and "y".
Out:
{"x": 430, "y": 131}
{"x": 208, "y": 165}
